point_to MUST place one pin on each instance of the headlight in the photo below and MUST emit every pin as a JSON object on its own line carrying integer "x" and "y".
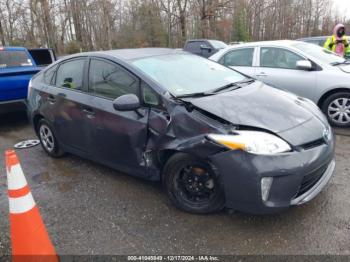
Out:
{"x": 254, "y": 142}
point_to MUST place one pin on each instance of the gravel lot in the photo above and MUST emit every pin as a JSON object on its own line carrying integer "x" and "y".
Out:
{"x": 91, "y": 209}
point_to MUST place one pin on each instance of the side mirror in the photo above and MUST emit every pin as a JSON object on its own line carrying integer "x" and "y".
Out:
{"x": 304, "y": 65}
{"x": 207, "y": 48}
{"x": 128, "y": 102}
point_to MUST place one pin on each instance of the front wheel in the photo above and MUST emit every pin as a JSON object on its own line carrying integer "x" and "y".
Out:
{"x": 337, "y": 109}
{"x": 192, "y": 185}
{"x": 48, "y": 139}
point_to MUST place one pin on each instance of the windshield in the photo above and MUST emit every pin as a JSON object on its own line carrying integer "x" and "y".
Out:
{"x": 319, "y": 53}
{"x": 218, "y": 44}
{"x": 14, "y": 58}
{"x": 184, "y": 74}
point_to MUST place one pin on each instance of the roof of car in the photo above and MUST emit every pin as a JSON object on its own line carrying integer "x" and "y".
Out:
{"x": 279, "y": 43}
{"x": 137, "y": 53}
{"x": 202, "y": 39}
{"x": 313, "y": 38}
{"x": 12, "y": 48}
{"x": 275, "y": 42}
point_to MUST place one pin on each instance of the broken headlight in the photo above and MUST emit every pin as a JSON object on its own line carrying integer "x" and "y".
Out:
{"x": 254, "y": 142}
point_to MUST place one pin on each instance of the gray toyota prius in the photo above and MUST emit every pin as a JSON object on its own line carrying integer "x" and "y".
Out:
{"x": 214, "y": 137}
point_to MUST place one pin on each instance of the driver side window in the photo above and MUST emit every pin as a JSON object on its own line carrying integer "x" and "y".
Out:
{"x": 278, "y": 58}
{"x": 109, "y": 80}
{"x": 240, "y": 57}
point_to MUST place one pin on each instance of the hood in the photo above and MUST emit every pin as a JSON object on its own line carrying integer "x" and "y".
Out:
{"x": 335, "y": 31}
{"x": 345, "y": 68}
{"x": 261, "y": 106}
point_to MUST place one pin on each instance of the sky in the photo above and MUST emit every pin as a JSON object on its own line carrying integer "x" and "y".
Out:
{"x": 343, "y": 7}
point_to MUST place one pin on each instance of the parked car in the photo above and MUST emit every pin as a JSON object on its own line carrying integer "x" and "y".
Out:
{"x": 17, "y": 66}
{"x": 204, "y": 47}
{"x": 213, "y": 136}
{"x": 301, "y": 68}
{"x": 317, "y": 40}
{"x": 320, "y": 41}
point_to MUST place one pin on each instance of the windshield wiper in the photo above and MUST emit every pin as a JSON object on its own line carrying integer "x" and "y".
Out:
{"x": 235, "y": 85}
{"x": 200, "y": 94}
{"x": 231, "y": 86}
{"x": 345, "y": 62}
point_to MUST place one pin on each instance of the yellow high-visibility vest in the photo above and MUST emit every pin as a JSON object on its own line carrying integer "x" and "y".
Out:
{"x": 331, "y": 44}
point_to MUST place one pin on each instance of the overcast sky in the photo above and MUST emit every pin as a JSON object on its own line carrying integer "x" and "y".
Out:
{"x": 343, "y": 6}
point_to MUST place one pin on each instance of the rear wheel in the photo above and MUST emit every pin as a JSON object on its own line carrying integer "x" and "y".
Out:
{"x": 192, "y": 185}
{"x": 337, "y": 109}
{"x": 48, "y": 139}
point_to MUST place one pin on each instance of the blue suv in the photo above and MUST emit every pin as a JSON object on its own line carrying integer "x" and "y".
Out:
{"x": 17, "y": 66}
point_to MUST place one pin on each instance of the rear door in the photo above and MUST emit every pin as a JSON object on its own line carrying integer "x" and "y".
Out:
{"x": 278, "y": 69}
{"x": 66, "y": 104}
{"x": 241, "y": 60}
{"x": 118, "y": 138}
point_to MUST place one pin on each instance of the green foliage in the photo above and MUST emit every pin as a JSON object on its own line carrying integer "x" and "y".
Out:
{"x": 240, "y": 32}
{"x": 17, "y": 42}
{"x": 151, "y": 27}
{"x": 146, "y": 30}
{"x": 72, "y": 47}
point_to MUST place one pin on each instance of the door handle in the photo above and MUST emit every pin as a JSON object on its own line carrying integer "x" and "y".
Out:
{"x": 261, "y": 74}
{"x": 89, "y": 112}
{"x": 51, "y": 99}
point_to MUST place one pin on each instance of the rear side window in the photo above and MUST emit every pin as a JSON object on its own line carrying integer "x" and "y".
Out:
{"x": 240, "y": 57}
{"x": 70, "y": 74}
{"x": 194, "y": 47}
{"x": 278, "y": 58}
{"x": 14, "y": 58}
{"x": 109, "y": 80}
{"x": 48, "y": 75}
{"x": 42, "y": 57}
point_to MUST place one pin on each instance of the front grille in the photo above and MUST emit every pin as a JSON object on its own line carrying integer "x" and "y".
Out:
{"x": 313, "y": 144}
{"x": 310, "y": 180}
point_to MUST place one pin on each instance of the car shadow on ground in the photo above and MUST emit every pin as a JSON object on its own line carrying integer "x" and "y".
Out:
{"x": 11, "y": 121}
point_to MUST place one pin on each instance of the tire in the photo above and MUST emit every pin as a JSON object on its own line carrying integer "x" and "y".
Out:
{"x": 182, "y": 175}
{"x": 337, "y": 109}
{"x": 48, "y": 140}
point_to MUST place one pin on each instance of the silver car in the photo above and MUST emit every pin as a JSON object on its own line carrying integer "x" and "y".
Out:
{"x": 301, "y": 68}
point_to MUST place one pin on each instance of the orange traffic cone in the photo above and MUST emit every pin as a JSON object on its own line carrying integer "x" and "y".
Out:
{"x": 30, "y": 240}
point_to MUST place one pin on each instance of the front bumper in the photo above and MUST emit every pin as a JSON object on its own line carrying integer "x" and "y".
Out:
{"x": 241, "y": 173}
{"x": 317, "y": 188}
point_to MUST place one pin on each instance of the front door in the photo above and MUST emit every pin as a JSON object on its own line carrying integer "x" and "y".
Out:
{"x": 278, "y": 69}
{"x": 118, "y": 138}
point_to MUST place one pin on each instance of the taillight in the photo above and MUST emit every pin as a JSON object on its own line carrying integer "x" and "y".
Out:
{"x": 2, "y": 48}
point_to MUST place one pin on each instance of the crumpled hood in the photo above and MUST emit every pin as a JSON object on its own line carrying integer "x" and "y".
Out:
{"x": 261, "y": 106}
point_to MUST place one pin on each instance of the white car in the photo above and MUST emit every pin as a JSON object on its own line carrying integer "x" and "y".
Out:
{"x": 301, "y": 68}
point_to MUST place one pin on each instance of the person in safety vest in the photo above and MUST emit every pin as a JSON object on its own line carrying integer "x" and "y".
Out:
{"x": 338, "y": 42}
